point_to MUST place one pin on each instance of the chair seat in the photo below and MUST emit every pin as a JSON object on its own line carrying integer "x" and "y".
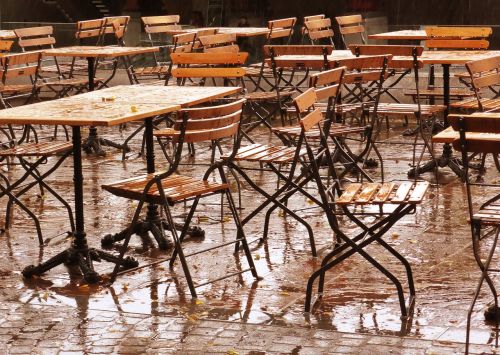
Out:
{"x": 176, "y": 187}
{"x": 488, "y": 215}
{"x": 439, "y": 92}
{"x": 267, "y": 154}
{"x": 17, "y": 88}
{"x": 385, "y": 193}
{"x": 256, "y": 71}
{"x": 37, "y": 149}
{"x": 337, "y": 129}
{"x": 155, "y": 70}
{"x": 408, "y": 109}
{"x": 70, "y": 82}
{"x": 472, "y": 104}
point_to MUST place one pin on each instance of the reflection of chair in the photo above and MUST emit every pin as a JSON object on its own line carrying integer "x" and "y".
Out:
{"x": 481, "y": 135}
{"x": 169, "y": 188}
{"x": 351, "y": 27}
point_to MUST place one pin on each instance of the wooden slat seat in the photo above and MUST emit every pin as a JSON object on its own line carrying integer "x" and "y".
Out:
{"x": 155, "y": 70}
{"x": 176, "y": 187}
{"x": 267, "y": 154}
{"x": 489, "y": 215}
{"x": 337, "y": 129}
{"x": 472, "y": 104}
{"x": 17, "y": 88}
{"x": 383, "y": 193}
{"x": 408, "y": 109}
{"x": 439, "y": 92}
{"x": 36, "y": 149}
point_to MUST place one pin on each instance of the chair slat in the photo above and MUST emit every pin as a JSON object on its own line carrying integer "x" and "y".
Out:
{"x": 384, "y": 192}
{"x": 349, "y": 193}
{"x": 368, "y": 191}
{"x": 418, "y": 192}
{"x": 402, "y": 192}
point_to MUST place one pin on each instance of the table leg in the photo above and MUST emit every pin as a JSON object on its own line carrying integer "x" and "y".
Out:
{"x": 94, "y": 143}
{"x": 79, "y": 253}
{"x": 446, "y": 158}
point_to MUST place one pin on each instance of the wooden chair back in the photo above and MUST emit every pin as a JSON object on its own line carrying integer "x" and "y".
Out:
{"x": 352, "y": 25}
{"x": 209, "y": 65}
{"x": 211, "y": 123}
{"x": 320, "y": 30}
{"x": 303, "y": 29}
{"x": 18, "y": 65}
{"x": 35, "y": 38}
{"x": 116, "y": 27}
{"x": 90, "y": 29}
{"x": 304, "y": 56}
{"x": 365, "y": 69}
{"x": 477, "y": 134}
{"x": 161, "y": 24}
{"x": 458, "y": 37}
{"x": 484, "y": 73}
{"x": 412, "y": 52}
{"x": 281, "y": 29}
{"x": 327, "y": 83}
{"x": 220, "y": 42}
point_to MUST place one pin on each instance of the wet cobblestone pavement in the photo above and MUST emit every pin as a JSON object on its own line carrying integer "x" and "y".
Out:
{"x": 149, "y": 310}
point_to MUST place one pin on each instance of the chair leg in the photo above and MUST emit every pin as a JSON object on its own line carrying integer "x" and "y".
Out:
{"x": 178, "y": 248}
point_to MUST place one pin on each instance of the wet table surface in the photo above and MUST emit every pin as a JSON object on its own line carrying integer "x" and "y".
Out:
{"x": 238, "y": 31}
{"x": 402, "y": 35}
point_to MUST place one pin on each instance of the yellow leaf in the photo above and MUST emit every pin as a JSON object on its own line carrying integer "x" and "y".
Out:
{"x": 133, "y": 108}
{"x": 395, "y": 235}
{"x": 198, "y": 302}
{"x": 283, "y": 293}
{"x": 232, "y": 352}
{"x": 257, "y": 257}
{"x": 45, "y": 296}
{"x": 202, "y": 219}
{"x": 125, "y": 287}
{"x": 226, "y": 219}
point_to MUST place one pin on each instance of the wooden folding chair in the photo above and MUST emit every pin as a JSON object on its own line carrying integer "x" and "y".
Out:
{"x": 21, "y": 155}
{"x": 319, "y": 31}
{"x": 59, "y": 77}
{"x": 389, "y": 202}
{"x": 169, "y": 188}
{"x": 160, "y": 71}
{"x": 352, "y": 29}
{"x": 303, "y": 29}
{"x": 425, "y": 114}
{"x": 480, "y": 135}
{"x": 274, "y": 158}
{"x": 280, "y": 33}
{"x": 114, "y": 29}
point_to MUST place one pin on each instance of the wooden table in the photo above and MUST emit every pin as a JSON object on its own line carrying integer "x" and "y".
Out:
{"x": 7, "y": 34}
{"x": 89, "y": 109}
{"x": 401, "y": 35}
{"x": 448, "y": 135}
{"x": 77, "y": 111}
{"x": 238, "y": 31}
{"x": 92, "y": 53}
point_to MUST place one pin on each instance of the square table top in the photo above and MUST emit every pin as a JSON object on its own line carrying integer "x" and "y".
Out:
{"x": 98, "y": 51}
{"x": 403, "y": 35}
{"x": 120, "y": 104}
{"x": 184, "y": 96}
{"x": 238, "y": 31}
